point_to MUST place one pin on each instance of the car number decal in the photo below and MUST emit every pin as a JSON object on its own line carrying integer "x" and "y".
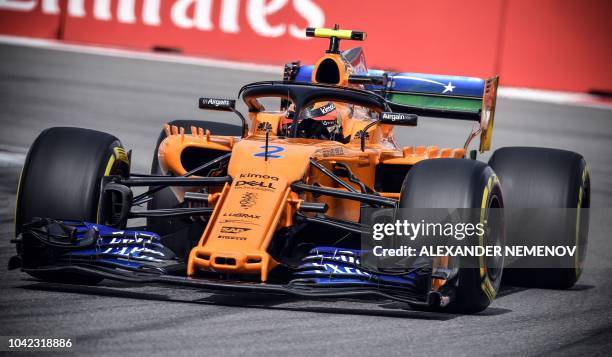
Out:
{"x": 273, "y": 151}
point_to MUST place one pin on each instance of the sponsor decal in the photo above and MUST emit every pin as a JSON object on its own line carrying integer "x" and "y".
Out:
{"x": 237, "y": 221}
{"x": 140, "y": 252}
{"x": 256, "y": 184}
{"x": 121, "y": 155}
{"x": 337, "y": 151}
{"x": 320, "y": 111}
{"x": 258, "y": 176}
{"x": 248, "y": 200}
{"x": 233, "y": 230}
{"x": 327, "y": 108}
{"x": 231, "y": 237}
{"x": 216, "y": 103}
{"x": 398, "y": 118}
{"x": 330, "y": 268}
{"x": 256, "y": 181}
{"x": 119, "y": 241}
{"x": 199, "y": 15}
{"x": 393, "y": 116}
{"x": 242, "y": 215}
{"x": 264, "y": 126}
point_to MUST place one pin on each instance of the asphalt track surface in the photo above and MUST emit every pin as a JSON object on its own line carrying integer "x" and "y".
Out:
{"x": 132, "y": 98}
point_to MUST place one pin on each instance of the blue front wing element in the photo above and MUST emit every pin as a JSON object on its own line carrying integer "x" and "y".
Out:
{"x": 336, "y": 267}
{"x": 127, "y": 249}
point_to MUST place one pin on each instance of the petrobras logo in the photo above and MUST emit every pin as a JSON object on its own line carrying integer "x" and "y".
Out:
{"x": 202, "y": 15}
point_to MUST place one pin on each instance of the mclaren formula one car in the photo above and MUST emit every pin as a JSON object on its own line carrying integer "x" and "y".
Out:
{"x": 276, "y": 204}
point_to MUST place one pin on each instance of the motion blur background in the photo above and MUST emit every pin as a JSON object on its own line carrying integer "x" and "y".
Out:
{"x": 551, "y": 44}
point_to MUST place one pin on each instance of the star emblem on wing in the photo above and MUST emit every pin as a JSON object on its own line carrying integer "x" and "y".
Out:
{"x": 448, "y": 88}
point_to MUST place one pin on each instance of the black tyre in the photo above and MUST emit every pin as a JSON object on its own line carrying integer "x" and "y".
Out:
{"x": 181, "y": 229}
{"x": 545, "y": 178}
{"x": 61, "y": 179}
{"x": 460, "y": 183}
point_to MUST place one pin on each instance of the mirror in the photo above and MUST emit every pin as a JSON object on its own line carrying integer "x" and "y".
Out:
{"x": 223, "y": 105}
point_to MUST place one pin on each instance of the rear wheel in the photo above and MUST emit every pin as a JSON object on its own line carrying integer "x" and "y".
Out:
{"x": 460, "y": 183}
{"x": 552, "y": 179}
{"x": 183, "y": 231}
{"x": 61, "y": 179}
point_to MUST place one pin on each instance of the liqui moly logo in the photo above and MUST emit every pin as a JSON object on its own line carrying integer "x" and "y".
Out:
{"x": 203, "y": 15}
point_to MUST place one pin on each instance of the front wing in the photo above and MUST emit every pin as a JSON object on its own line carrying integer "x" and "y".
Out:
{"x": 133, "y": 256}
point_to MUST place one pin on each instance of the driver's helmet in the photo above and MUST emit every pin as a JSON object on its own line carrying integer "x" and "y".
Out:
{"x": 320, "y": 121}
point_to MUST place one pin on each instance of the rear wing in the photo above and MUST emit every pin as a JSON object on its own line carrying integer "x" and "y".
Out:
{"x": 439, "y": 96}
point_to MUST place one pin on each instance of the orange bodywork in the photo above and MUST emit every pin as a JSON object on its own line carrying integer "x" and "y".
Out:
{"x": 259, "y": 201}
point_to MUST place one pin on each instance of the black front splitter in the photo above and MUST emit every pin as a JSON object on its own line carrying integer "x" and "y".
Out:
{"x": 430, "y": 299}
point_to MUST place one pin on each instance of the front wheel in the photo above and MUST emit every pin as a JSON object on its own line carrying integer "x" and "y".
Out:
{"x": 461, "y": 184}
{"x": 61, "y": 179}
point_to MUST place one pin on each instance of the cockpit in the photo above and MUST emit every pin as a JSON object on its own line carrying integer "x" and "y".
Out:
{"x": 310, "y": 111}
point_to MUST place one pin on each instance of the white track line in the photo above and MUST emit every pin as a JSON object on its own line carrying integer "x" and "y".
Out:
{"x": 11, "y": 159}
{"x": 528, "y": 94}
{"x": 12, "y": 156}
{"x": 131, "y": 54}
{"x": 554, "y": 97}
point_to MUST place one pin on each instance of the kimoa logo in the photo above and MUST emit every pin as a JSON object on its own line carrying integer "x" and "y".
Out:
{"x": 258, "y": 176}
{"x": 189, "y": 14}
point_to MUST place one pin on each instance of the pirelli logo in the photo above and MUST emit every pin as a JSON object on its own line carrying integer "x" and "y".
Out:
{"x": 121, "y": 155}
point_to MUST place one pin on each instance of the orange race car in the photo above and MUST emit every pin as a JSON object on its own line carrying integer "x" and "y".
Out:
{"x": 290, "y": 200}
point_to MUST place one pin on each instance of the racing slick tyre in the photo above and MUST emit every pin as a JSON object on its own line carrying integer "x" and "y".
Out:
{"x": 460, "y": 183}
{"x": 61, "y": 179}
{"x": 536, "y": 178}
{"x": 182, "y": 230}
